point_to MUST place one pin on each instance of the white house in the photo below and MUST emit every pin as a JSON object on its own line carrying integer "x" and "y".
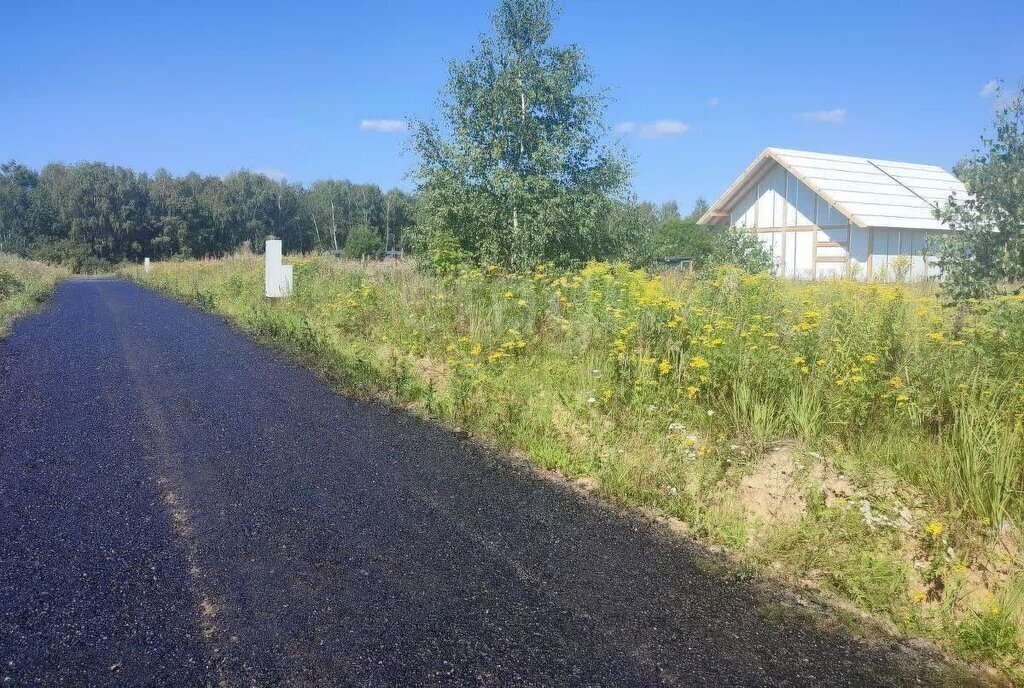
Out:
{"x": 829, "y": 215}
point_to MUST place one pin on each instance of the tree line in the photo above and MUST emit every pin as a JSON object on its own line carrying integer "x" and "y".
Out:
{"x": 92, "y": 214}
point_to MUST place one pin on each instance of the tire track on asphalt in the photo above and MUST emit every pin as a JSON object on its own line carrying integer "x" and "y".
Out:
{"x": 160, "y": 443}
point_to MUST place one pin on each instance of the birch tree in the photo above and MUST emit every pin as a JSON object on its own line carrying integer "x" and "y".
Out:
{"x": 984, "y": 254}
{"x": 519, "y": 172}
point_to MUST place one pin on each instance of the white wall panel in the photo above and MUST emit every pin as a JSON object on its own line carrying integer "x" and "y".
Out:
{"x": 829, "y": 216}
{"x": 789, "y": 253}
{"x": 765, "y": 196}
{"x": 804, "y": 255}
{"x": 859, "y": 249}
{"x": 743, "y": 214}
{"x": 839, "y": 235}
{"x": 831, "y": 252}
{"x": 778, "y": 252}
{"x": 802, "y": 200}
{"x": 778, "y": 178}
{"x": 885, "y": 241}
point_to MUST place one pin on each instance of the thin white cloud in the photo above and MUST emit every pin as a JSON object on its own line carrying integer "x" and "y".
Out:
{"x": 275, "y": 174}
{"x": 989, "y": 89}
{"x": 836, "y": 116}
{"x": 654, "y": 130}
{"x": 713, "y": 102}
{"x": 384, "y": 126}
{"x": 663, "y": 128}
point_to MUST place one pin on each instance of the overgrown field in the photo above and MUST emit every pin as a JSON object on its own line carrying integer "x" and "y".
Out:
{"x": 860, "y": 439}
{"x": 23, "y": 284}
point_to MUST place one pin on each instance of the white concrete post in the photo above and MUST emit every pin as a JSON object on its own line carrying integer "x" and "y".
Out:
{"x": 145, "y": 264}
{"x": 277, "y": 278}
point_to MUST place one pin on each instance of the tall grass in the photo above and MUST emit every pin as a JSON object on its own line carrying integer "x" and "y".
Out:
{"x": 24, "y": 284}
{"x": 986, "y": 464}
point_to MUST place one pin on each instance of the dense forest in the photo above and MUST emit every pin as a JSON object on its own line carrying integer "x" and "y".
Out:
{"x": 91, "y": 214}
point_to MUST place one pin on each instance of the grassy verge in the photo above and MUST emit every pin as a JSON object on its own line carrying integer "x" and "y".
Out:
{"x": 23, "y": 285}
{"x": 857, "y": 439}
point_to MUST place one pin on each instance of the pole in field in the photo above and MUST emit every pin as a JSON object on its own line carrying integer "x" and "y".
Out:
{"x": 145, "y": 264}
{"x": 277, "y": 277}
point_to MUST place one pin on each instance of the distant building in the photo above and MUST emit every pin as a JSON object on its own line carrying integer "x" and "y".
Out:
{"x": 681, "y": 263}
{"x": 831, "y": 215}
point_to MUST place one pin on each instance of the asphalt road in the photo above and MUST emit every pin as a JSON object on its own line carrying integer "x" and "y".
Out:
{"x": 181, "y": 506}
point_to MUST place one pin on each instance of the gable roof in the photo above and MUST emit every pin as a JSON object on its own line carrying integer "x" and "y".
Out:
{"x": 870, "y": 192}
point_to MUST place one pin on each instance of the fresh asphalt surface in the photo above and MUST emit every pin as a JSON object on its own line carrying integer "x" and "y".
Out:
{"x": 181, "y": 506}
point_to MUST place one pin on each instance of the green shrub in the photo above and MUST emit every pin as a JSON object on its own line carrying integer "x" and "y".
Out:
{"x": 9, "y": 284}
{"x": 362, "y": 242}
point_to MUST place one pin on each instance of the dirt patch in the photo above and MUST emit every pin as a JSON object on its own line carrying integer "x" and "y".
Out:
{"x": 587, "y": 483}
{"x": 433, "y": 372}
{"x": 776, "y": 492}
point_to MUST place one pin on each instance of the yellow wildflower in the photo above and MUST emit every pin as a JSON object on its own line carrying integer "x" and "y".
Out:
{"x": 691, "y": 391}
{"x": 699, "y": 362}
{"x": 798, "y": 360}
{"x": 936, "y": 336}
{"x": 664, "y": 367}
{"x": 935, "y": 529}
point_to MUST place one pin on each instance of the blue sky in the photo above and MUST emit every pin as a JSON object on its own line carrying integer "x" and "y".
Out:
{"x": 285, "y": 87}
